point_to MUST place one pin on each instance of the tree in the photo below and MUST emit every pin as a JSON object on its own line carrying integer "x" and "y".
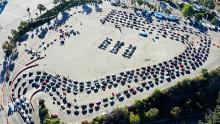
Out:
{"x": 52, "y": 121}
{"x": 156, "y": 93}
{"x": 215, "y": 72}
{"x": 205, "y": 73}
{"x": 187, "y": 10}
{"x": 43, "y": 112}
{"x": 29, "y": 14}
{"x": 152, "y": 114}
{"x": 214, "y": 21}
{"x": 198, "y": 16}
{"x": 209, "y": 4}
{"x": 133, "y": 3}
{"x": 175, "y": 112}
{"x": 140, "y": 2}
{"x": 134, "y": 119}
{"x": 85, "y": 122}
{"x": 62, "y": 1}
{"x": 22, "y": 25}
{"x": 41, "y": 7}
{"x": 55, "y": 2}
{"x": 168, "y": 11}
{"x": 214, "y": 116}
{"x": 8, "y": 46}
{"x": 138, "y": 103}
{"x": 15, "y": 35}
{"x": 185, "y": 82}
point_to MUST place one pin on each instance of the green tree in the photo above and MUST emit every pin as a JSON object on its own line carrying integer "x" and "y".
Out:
{"x": 198, "y": 16}
{"x": 138, "y": 103}
{"x": 98, "y": 120}
{"x": 168, "y": 11}
{"x": 201, "y": 2}
{"x": 29, "y": 13}
{"x": 185, "y": 82}
{"x": 205, "y": 73}
{"x": 214, "y": 116}
{"x": 156, "y": 93}
{"x": 215, "y": 72}
{"x": 52, "y": 121}
{"x": 134, "y": 119}
{"x": 209, "y": 4}
{"x": 8, "y": 46}
{"x": 175, "y": 112}
{"x": 140, "y": 2}
{"x": 55, "y": 2}
{"x": 43, "y": 113}
{"x": 187, "y": 10}
{"x": 152, "y": 114}
{"x": 41, "y": 7}
{"x": 214, "y": 21}
{"x": 62, "y": 1}
{"x": 22, "y": 26}
{"x": 15, "y": 35}
{"x": 125, "y": 111}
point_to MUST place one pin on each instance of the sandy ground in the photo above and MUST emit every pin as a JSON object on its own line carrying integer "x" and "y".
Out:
{"x": 16, "y": 11}
{"x": 80, "y": 58}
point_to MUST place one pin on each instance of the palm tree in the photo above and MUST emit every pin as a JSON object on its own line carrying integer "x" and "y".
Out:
{"x": 29, "y": 14}
{"x": 41, "y": 7}
{"x": 36, "y": 14}
{"x": 55, "y": 2}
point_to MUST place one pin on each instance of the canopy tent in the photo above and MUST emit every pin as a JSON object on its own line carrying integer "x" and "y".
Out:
{"x": 163, "y": 5}
{"x": 86, "y": 8}
{"x": 170, "y": 17}
{"x": 146, "y": 12}
{"x": 3, "y": 3}
{"x": 98, "y": 8}
{"x": 158, "y": 15}
{"x": 61, "y": 18}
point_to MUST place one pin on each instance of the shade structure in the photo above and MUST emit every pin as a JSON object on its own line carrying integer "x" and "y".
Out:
{"x": 158, "y": 15}
{"x": 86, "y": 8}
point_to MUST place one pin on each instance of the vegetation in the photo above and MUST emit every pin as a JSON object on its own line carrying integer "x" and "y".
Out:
{"x": 168, "y": 11}
{"x": 134, "y": 119}
{"x": 44, "y": 115}
{"x": 175, "y": 112}
{"x": 198, "y": 16}
{"x": 24, "y": 27}
{"x": 188, "y": 10}
{"x": 140, "y": 2}
{"x": 8, "y": 47}
{"x": 215, "y": 21}
{"x": 41, "y": 7}
{"x": 152, "y": 114}
{"x": 188, "y": 99}
{"x": 208, "y": 3}
{"x": 214, "y": 116}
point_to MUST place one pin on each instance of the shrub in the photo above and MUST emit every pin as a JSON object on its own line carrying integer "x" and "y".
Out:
{"x": 175, "y": 112}
{"x": 156, "y": 93}
{"x": 134, "y": 119}
{"x": 152, "y": 114}
{"x": 187, "y": 10}
{"x": 198, "y": 16}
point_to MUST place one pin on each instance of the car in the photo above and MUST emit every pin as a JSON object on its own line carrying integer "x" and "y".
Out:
{"x": 105, "y": 100}
{"x": 54, "y": 116}
{"x": 98, "y": 102}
